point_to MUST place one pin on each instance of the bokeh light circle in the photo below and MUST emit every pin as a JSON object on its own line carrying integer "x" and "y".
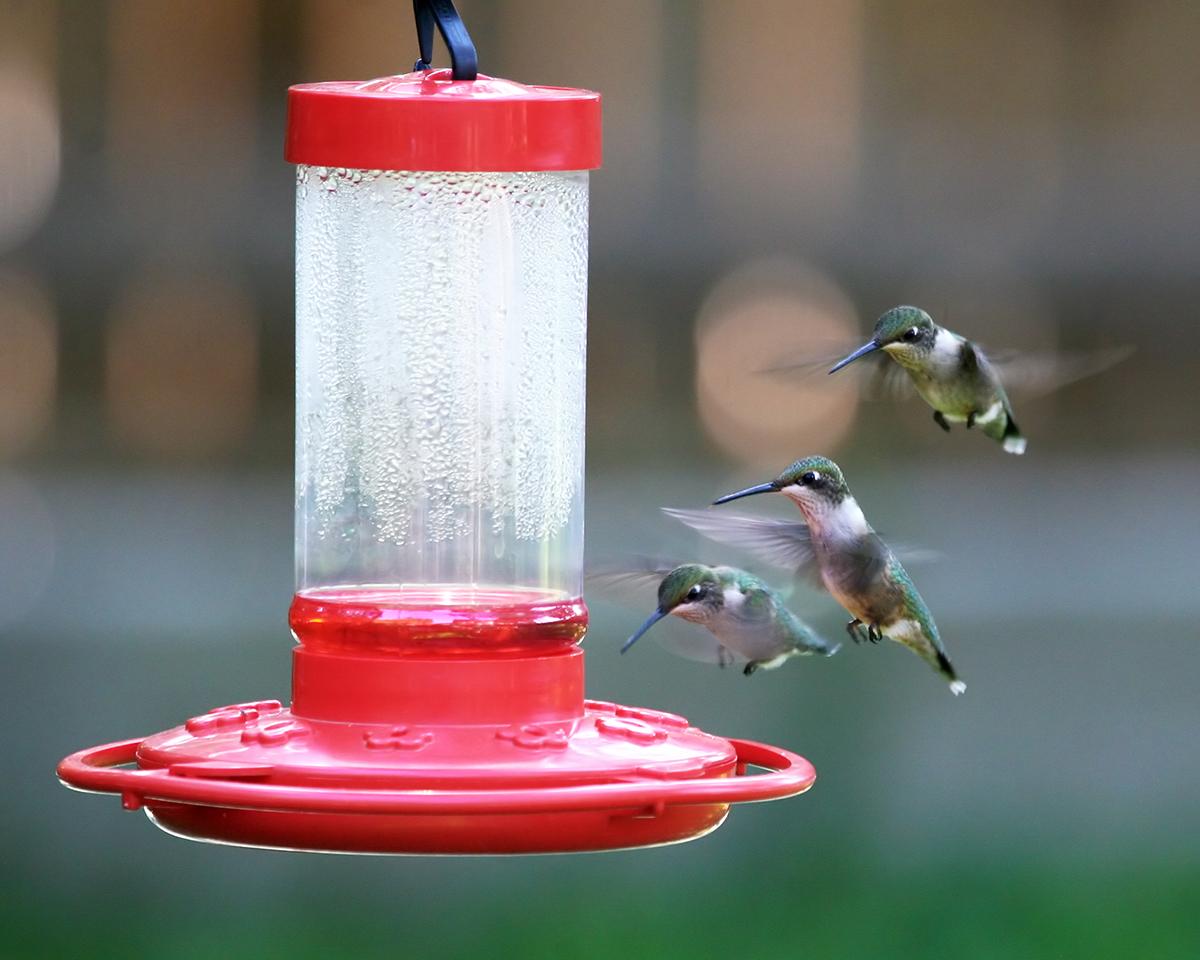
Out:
{"x": 761, "y": 315}
{"x": 30, "y": 153}
{"x": 28, "y": 361}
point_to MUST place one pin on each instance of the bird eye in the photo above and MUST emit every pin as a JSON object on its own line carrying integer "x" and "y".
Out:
{"x": 911, "y": 334}
{"x": 695, "y": 593}
{"x": 810, "y": 478}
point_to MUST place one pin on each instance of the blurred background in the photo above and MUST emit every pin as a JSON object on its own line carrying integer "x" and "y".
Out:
{"x": 776, "y": 173}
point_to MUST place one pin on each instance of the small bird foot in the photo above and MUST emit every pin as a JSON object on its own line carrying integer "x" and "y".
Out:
{"x": 750, "y": 668}
{"x": 940, "y": 420}
{"x": 873, "y": 633}
{"x": 970, "y": 419}
{"x": 855, "y": 629}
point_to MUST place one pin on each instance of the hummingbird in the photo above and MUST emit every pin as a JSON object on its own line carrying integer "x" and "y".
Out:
{"x": 950, "y": 373}
{"x": 748, "y": 619}
{"x": 954, "y": 376}
{"x": 838, "y": 549}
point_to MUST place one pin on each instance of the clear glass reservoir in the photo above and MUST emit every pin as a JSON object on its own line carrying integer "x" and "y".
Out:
{"x": 440, "y": 357}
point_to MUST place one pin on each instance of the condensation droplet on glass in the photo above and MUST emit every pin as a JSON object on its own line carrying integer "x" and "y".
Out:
{"x": 441, "y": 323}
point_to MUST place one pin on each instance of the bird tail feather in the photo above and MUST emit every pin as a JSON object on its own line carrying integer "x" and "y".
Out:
{"x": 1013, "y": 441}
{"x": 957, "y": 687}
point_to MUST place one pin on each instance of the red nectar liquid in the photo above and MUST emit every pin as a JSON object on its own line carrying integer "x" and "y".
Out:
{"x": 423, "y": 621}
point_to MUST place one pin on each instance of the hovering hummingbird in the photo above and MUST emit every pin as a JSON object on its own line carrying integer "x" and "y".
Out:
{"x": 838, "y": 549}
{"x": 748, "y": 619}
{"x": 955, "y": 377}
{"x": 950, "y": 373}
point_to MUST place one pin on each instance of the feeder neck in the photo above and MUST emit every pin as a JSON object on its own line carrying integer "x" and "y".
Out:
{"x": 437, "y": 621}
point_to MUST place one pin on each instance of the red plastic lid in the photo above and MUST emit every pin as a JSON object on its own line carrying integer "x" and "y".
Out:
{"x": 427, "y": 121}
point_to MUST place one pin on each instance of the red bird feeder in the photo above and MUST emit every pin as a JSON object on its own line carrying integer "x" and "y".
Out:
{"x": 437, "y": 685}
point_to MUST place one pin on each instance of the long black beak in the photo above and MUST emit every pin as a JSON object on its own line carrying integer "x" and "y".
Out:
{"x": 769, "y": 487}
{"x": 650, "y": 621}
{"x": 869, "y": 347}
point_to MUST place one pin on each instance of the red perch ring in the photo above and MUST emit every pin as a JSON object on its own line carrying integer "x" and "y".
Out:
{"x": 476, "y": 756}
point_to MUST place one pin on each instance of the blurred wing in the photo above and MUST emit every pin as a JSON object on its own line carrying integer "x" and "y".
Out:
{"x": 639, "y": 574}
{"x": 877, "y": 376}
{"x": 886, "y": 380}
{"x": 1037, "y": 374}
{"x": 817, "y": 360}
{"x": 915, "y": 556}
{"x": 786, "y": 544}
{"x": 780, "y": 543}
{"x": 693, "y": 642}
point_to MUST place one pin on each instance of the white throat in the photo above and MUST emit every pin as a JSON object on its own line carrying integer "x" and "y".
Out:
{"x": 844, "y": 521}
{"x": 947, "y": 349}
{"x": 841, "y": 521}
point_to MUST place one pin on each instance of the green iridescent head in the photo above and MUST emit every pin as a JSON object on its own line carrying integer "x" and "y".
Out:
{"x": 691, "y": 591}
{"x": 690, "y": 583}
{"x": 809, "y": 479}
{"x": 903, "y": 324}
{"x": 819, "y": 476}
{"x": 904, "y": 332}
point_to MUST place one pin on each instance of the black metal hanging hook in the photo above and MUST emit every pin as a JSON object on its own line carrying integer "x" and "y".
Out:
{"x": 464, "y": 64}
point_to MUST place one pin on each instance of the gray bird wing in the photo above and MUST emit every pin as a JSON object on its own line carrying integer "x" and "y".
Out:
{"x": 780, "y": 543}
{"x": 693, "y": 642}
{"x": 786, "y": 544}
{"x": 877, "y": 375}
{"x": 817, "y": 357}
{"x": 1037, "y": 373}
{"x": 886, "y": 380}
{"x": 1026, "y": 374}
{"x": 639, "y": 573}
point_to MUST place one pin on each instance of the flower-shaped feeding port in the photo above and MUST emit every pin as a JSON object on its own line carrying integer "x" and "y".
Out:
{"x": 437, "y": 683}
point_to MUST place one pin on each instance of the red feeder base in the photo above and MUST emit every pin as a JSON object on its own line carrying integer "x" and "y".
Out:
{"x": 397, "y": 755}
